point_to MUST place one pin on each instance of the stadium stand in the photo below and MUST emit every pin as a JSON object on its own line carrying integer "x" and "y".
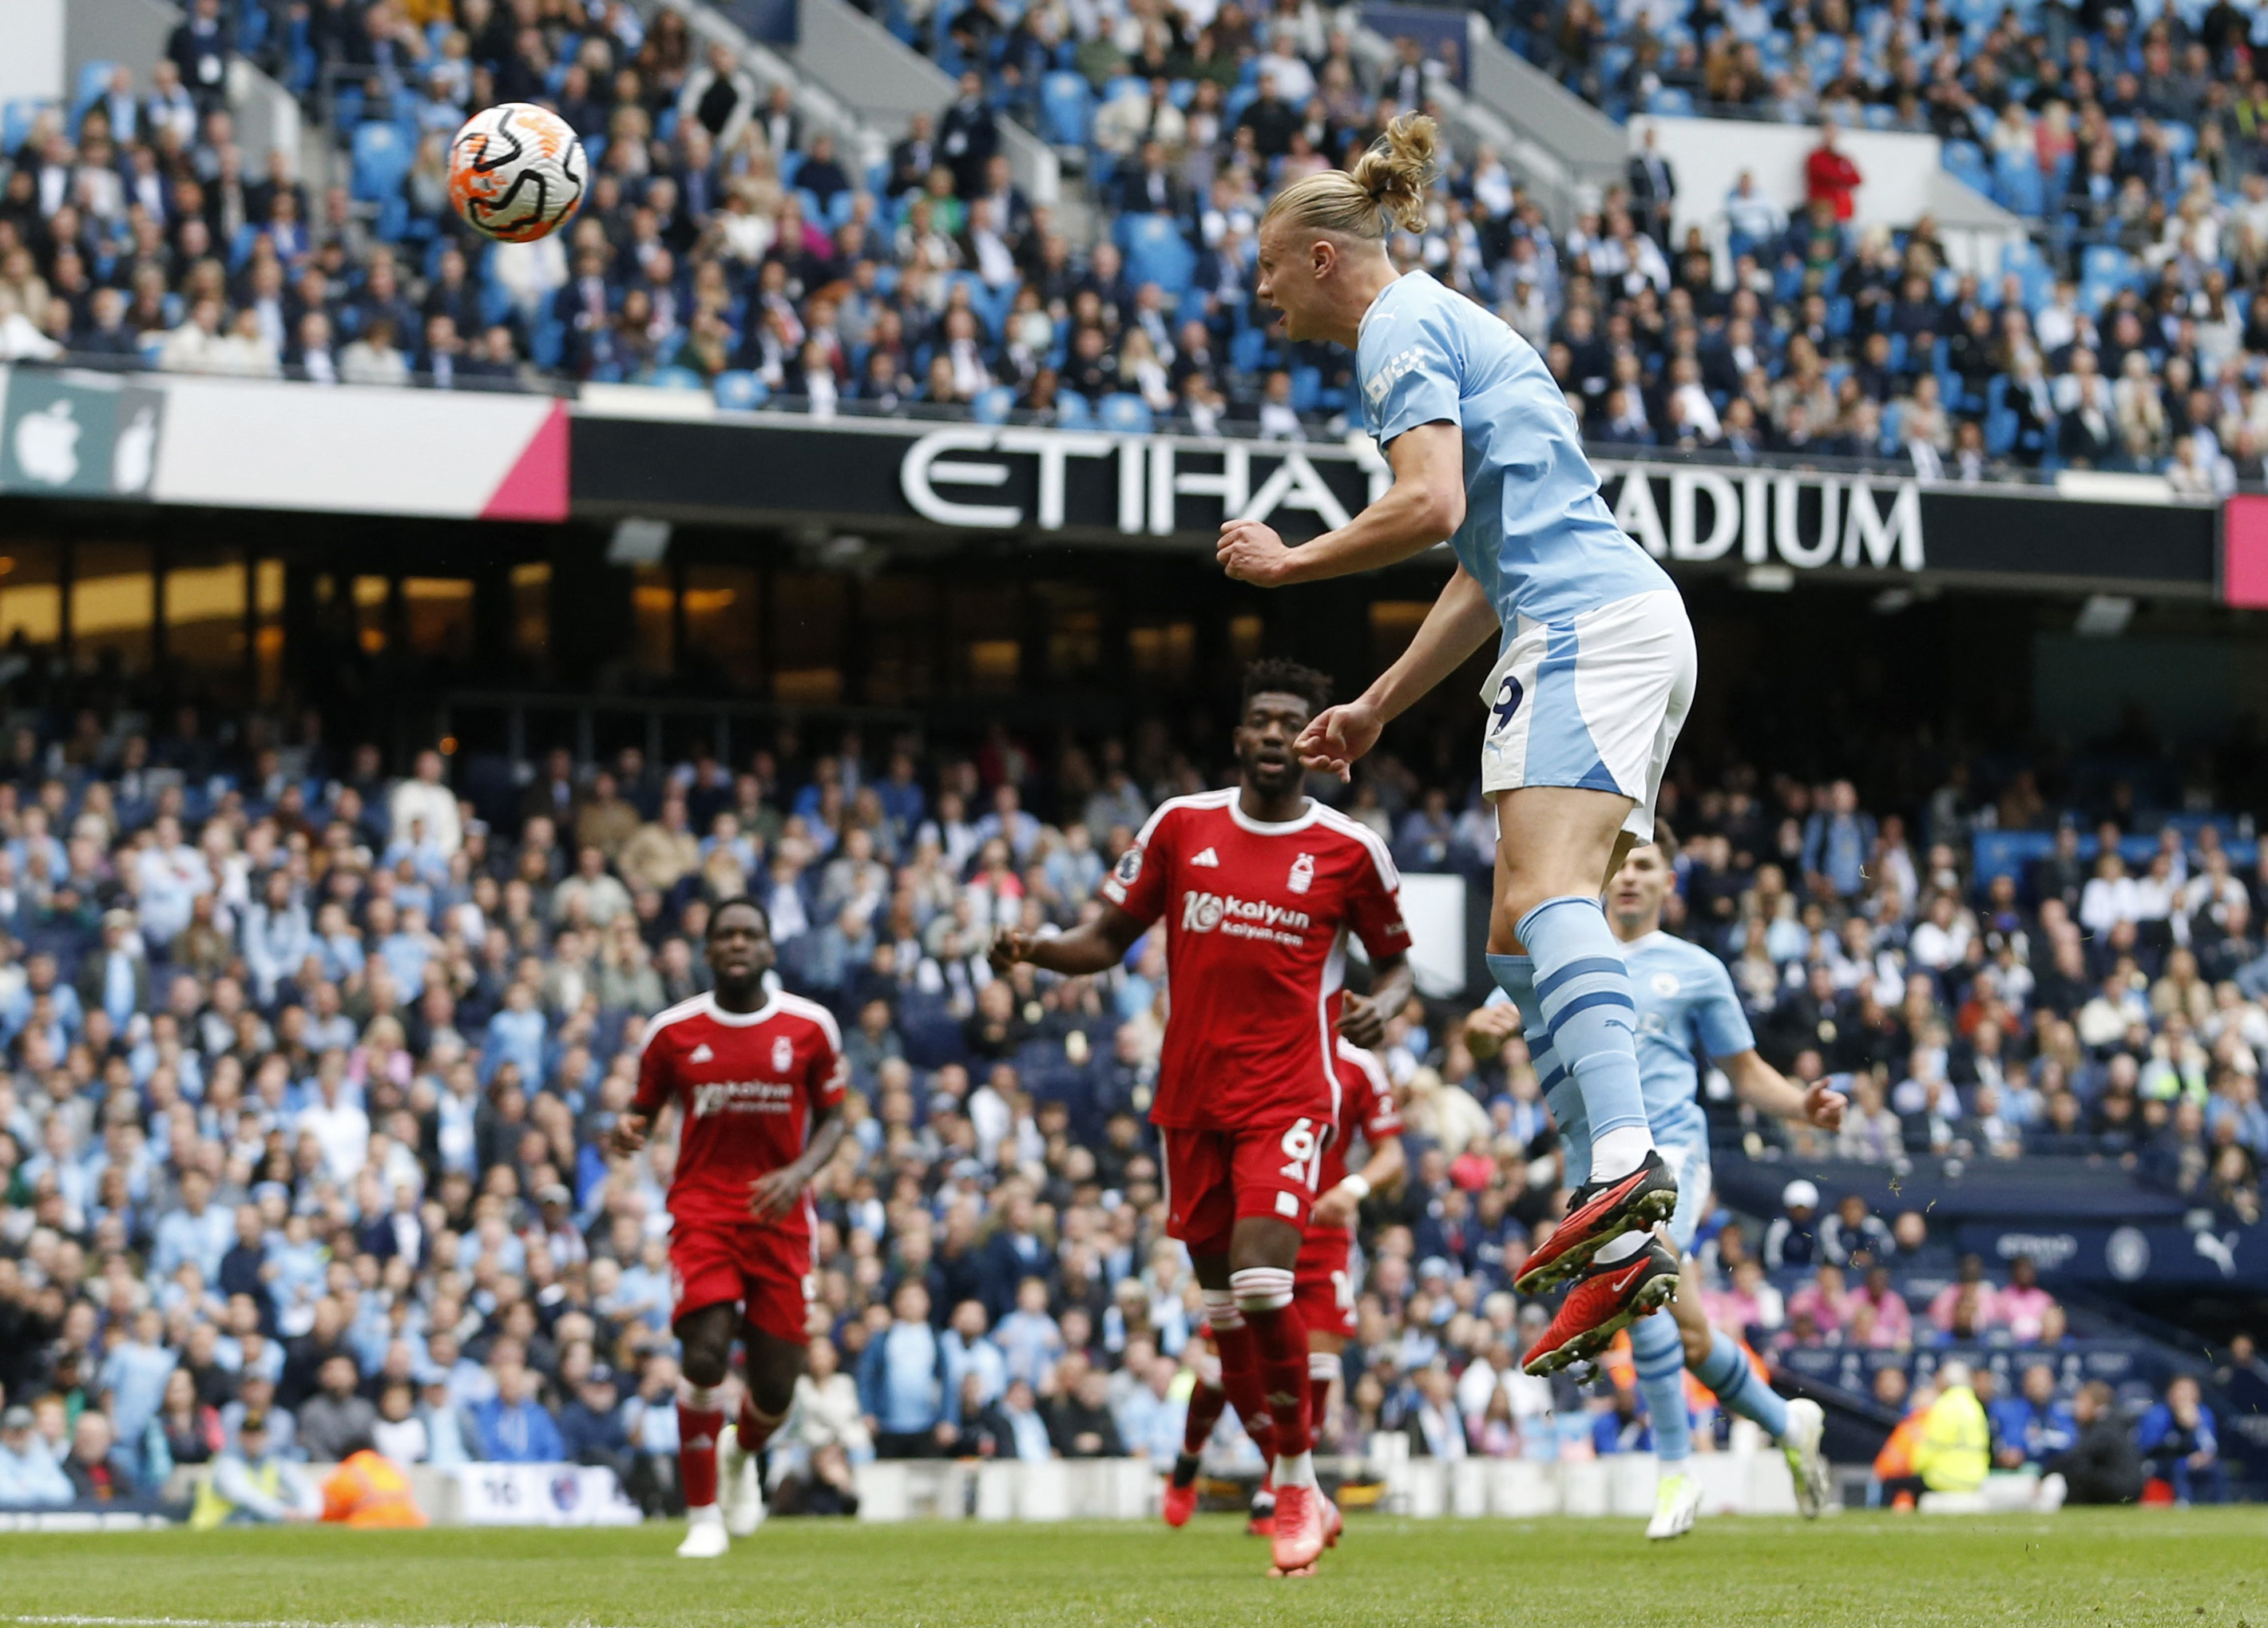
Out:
{"x": 733, "y": 244}
{"x": 311, "y": 1061}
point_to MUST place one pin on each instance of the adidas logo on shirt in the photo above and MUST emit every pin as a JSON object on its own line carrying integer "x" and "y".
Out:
{"x": 1206, "y": 856}
{"x": 702, "y": 1054}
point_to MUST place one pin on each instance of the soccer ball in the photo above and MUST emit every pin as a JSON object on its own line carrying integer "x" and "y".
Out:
{"x": 516, "y": 171}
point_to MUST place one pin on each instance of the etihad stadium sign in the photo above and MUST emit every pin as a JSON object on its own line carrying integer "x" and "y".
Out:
{"x": 1770, "y": 525}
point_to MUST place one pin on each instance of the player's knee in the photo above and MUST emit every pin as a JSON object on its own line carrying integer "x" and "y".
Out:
{"x": 1262, "y": 1291}
{"x": 1696, "y": 1342}
{"x": 704, "y": 1367}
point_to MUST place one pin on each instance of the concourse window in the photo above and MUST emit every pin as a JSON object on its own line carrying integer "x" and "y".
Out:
{"x": 113, "y": 603}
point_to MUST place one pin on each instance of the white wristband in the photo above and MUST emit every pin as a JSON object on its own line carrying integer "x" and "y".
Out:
{"x": 1359, "y": 1185}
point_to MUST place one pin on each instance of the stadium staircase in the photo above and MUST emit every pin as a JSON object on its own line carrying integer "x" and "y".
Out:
{"x": 877, "y": 66}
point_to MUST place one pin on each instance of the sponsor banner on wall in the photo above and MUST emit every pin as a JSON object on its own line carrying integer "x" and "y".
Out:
{"x": 2212, "y": 1256}
{"x": 1091, "y": 486}
{"x": 541, "y": 1495}
{"x": 71, "y": 434}
{"x": 243, "y": 444}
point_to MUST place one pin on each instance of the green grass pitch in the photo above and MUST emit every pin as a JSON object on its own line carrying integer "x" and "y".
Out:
{"x": 2096, "y": 1568}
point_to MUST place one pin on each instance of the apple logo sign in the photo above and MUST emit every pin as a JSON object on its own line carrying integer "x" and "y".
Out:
{"x": 47, "y": 445}
{"x": 134, "y": 457}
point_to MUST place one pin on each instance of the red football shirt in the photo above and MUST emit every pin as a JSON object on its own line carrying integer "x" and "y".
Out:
{"x": 1257, "y": 919}
{"x": 746, "y": 1084}
{"x": 1365, "y": 1109}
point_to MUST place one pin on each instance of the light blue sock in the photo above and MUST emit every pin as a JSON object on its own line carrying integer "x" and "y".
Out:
{"x": 1583, "y": 994}
{"x": 1515, "y": 975}
{"x": 1728, "y": 1371}
{"x": 1659, "y": 1353}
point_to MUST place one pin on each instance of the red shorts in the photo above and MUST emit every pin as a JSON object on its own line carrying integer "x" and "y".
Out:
{"x": 1322, "y": 1286}
{"x": 765, "y": 1270}
{"x": 1217, "y": 1178}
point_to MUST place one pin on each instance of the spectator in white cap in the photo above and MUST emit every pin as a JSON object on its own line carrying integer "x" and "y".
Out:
{"x": 1790, "y": 1240}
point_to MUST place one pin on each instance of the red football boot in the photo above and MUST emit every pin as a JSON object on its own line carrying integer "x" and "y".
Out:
{"x": 1605, "y": 1300}
{"x": 1602, "y": 1212}
{"x": 1262, "y": 1523}
{"x": 1299, "y": 1536}
{"x": 1182, "y": 1491}
{"x": 1333, "y": 1522}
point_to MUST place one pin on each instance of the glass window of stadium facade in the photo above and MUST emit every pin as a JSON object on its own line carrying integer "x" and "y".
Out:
{"x": 512, "y": 639}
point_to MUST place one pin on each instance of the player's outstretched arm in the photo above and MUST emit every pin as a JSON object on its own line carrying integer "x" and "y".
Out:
{"x": 774, "y": 1193}
{"x": 1461, "y": 620}
{"x": 1764, "y": 1087}
{"x": 1091, "y": 946}
{"x": 1424, "y": 506}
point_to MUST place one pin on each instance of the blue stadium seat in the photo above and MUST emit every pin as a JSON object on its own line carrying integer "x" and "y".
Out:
{"x": 740, "y": 391}
{"x": 1066, "y": 109}
{"x": 2106, "y": 262}
{"x": 673, "y": 378}
{"x": 1125, "y": 413}
{"x": 1670, "y": 101}
{"x": 1249, "y": 350}
{"x": 93, "y": 79}
{"x": 993, "y": 405}
{"x": 1156, "y": 252}
{"x": 1306, "y": 388}
{"x": 16, "y": 118}
{"x": 383, "y": 154}
{"x": 1073, "y": 413}
{"x": 1966, "y": 162}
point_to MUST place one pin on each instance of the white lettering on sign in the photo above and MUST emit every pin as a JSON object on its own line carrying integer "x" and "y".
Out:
{"x": 1861, "y": 524}
{"x": 1151, "y": 480}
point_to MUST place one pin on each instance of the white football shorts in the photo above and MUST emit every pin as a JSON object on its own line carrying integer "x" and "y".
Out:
{"x": 1595, "y": 701}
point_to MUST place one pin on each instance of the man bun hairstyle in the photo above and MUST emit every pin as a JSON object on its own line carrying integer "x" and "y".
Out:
{"x": 1385, "y": 189}
{"x": 1277, "y": 675}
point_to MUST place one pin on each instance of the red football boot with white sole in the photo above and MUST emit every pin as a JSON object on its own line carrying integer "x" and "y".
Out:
{"x": 1182, "y": 1492}
{"x": 1601, "y": 1211}
{"x": 1604, "y": 1301}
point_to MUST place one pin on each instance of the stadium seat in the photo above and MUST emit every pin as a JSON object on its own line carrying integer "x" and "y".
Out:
{"x": 15, "y": 119}
{"x": 383, "y": 153}
{"x": 1156, "y": 252}
{"x": 1073, "y": 413}
{"x": 993, "y": 405}
{"x": 1066, "y": 109}
{"x": 673, "y": 378}
{"x": 740, "y": 391}
{"x": 1125, "y": 413}
{"x": 1670, "y": 101}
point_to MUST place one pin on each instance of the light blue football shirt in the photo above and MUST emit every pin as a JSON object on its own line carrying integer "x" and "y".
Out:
{"x": 1537, "y": 537}
{"x": 1686, "y": 1003}
{"x": 1687, "y": 1008}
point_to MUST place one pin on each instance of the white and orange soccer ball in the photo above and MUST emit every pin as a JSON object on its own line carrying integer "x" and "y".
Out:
{"x": 517, "y": 171}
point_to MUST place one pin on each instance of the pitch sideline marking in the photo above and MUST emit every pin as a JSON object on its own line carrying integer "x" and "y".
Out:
{"x": 75, "y": 1620}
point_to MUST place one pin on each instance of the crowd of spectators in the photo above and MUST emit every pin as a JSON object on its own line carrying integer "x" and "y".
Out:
{"x": 308, "y": 1069}
{"x": 724, "y": 247}
{"x": 2132, "y": 136}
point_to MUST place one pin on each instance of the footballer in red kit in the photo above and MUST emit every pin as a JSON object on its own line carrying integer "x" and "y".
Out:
{"x": 1258, "y": 888}
{"x": 1324, "y": 1287}
{"x": 757, "y": 1080}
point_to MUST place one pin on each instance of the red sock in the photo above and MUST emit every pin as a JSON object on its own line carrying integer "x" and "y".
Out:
{"x": 1281, "y": 1339}
{"x": 698, "y": 1428}
{"x": 753, "y": 1428}
{"x": 1239, "y": 1376}
{"x": 1206, "y": 1404}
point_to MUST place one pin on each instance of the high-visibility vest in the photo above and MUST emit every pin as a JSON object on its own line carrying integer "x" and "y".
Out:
{"x": 211, "y": 1509}
{"x": 369, "y": 1490}
{"x": 1956, "y": 1449}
